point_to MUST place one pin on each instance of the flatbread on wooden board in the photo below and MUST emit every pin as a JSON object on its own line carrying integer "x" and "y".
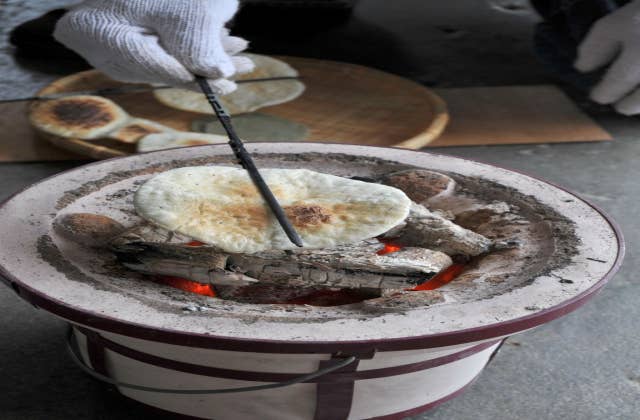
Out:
{"x": 248, "y": 97}
{"x": 220, "y": 206}
{"x": 159, "y": 141}
{"x": 83, "y": 116}
{"x": 137, "y": 128}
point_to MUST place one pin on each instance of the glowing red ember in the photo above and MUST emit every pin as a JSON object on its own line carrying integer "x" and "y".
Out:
{"x": 195, "y": 243}
{"x": 442, "y": 278}
{"x": 187, "y": 285}
{"x": 389, "y": 247}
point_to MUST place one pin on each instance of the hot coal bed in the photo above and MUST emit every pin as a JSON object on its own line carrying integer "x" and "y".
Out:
{"x": 410, "y": 321}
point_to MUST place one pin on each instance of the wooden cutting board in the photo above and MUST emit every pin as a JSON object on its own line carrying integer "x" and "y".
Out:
{"x": 342, "y": 103}
{"x": 514, "y": 115}
{"x": 479, "y": 116}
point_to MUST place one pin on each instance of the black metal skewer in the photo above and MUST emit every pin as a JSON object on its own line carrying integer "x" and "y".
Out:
{"x": 247, "y": 162}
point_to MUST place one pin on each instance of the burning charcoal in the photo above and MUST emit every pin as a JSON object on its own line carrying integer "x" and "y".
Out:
{"x": 429, "y": 230}
{"x": 421, "y": 185}
{"x": 477, "y": 216}
{"x": 153, "y": 250}
{"x": 263, "y": 293}
{"x": 394, "y": 300}
{"x": 199, "y": 264}
{"x": 87, "y": 229}
{"x": 149, "y": 233}
{"x": 507, "y": 244}
{"x": 347, "y": 266}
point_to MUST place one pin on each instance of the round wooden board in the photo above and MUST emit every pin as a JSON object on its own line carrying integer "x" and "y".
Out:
{"x": 342, "y": 103}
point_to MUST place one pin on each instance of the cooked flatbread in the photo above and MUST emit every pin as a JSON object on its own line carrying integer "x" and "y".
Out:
{"x": 83, "y": 116}
{"x": 220, "y": 206}
{"x": 255, "y": 126}
{"x": 137, "y": 128}
{"x": 161, "y": 141}
{"x": 248, "y": 97}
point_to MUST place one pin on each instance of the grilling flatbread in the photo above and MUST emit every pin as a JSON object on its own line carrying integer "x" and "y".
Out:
{"x": 83, "y": 116}
{"x": 248, "y": 97}
{"x": 220, "y": 206}
{"x": 159, "y": 141}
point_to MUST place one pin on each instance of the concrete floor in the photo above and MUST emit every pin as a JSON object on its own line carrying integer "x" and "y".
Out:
{"x": 583, "y": 366}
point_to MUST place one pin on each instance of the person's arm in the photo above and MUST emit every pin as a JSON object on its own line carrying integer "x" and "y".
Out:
{"x": 156, "y": 41}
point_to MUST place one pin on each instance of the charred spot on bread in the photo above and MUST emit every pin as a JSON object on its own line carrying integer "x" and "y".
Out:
{"x": 81, "y": 116}
{"x": 307, "y": 215}
{"x": 85, "y": 112}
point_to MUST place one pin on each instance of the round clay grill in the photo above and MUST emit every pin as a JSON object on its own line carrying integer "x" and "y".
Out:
{"x": 401, "y": 363}
{"x": 68, "y": 288}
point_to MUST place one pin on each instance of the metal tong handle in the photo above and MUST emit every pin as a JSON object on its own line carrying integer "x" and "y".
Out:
{"x": 247, "y": 162}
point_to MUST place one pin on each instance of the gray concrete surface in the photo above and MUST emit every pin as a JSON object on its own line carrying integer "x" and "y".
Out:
{"x": 583, "y": 366}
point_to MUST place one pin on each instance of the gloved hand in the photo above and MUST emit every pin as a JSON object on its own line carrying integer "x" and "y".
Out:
{"x": 615, "y": 39}
{"x": 157, "y": 41}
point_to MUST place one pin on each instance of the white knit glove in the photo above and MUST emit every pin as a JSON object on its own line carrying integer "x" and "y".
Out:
{"x": 615, "y": 39}
{"x": 157, "y": 41}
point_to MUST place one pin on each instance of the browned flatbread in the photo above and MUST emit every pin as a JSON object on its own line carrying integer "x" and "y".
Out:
{"x": 83, "y": 116}
{"x": 248, "y": 97}
{"x": 221, "y": 206}
{"x": 159, "y": 141}
{"x": 138, "y": 128}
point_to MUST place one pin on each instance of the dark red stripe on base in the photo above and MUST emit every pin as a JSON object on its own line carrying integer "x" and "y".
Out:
{"x": 95, "y": 350}
{"x": 333, "y": 400}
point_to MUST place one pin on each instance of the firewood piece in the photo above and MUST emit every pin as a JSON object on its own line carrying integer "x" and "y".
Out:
{"x": 421, "y": 185}
{"x": 271, "y": 293}
{"x": 347, "y": 266}
{"x": 479, "y": 218}
{"x": 429, "y": 230}
{"x": 87, "y": 229}
{"x": 146, "y": 232}
{"x": 395, "y": 300}
{"x": 200, "y": 264}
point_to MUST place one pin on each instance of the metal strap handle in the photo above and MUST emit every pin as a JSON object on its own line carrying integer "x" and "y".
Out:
{"x": 73, "y": 352}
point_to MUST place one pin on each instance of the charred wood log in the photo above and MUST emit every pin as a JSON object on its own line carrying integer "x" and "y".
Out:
{"x": 200, "y": 264}
{"x": 399, "y": 300}
{"x": 347, "y": 266}
{"x": 352, "y": 266}
{"x": 421, "y": 185}
{"x": 425, "y": 229}
{"x": 87, "y": 229}
{"x": 427, "y": 239}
